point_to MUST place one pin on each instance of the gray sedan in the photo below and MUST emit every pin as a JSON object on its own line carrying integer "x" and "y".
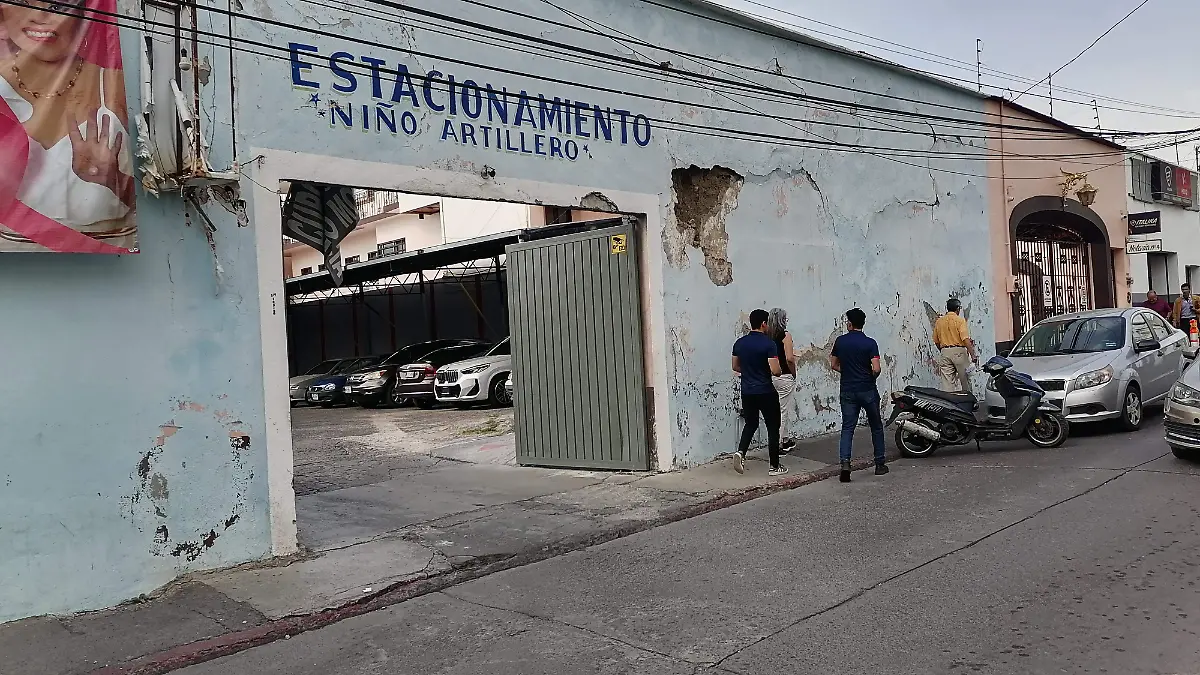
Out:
{"x": 1100, "y": 365}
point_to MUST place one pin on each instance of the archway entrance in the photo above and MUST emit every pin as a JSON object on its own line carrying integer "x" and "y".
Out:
{"x": 1061, "y": 261}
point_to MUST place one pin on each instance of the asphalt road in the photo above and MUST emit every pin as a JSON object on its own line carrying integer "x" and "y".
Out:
{"x": 1084, "y": 559}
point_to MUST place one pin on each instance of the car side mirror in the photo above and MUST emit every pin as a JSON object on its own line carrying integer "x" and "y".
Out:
{"x": 1147, "y": 346}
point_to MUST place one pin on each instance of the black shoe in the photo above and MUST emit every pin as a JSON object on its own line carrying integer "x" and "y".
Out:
{"x": 845, "y": 475}
{"x": 881, "y": 469}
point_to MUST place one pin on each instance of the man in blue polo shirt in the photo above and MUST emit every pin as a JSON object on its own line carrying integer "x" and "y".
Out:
{"x": 856, "y": 357}
{"x": 756, "y": 358}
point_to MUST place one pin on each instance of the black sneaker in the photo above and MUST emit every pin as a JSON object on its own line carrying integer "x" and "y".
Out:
{"x": 778, "y": 471}
{"x": 787, "y": 446}
{"x": 881, "y": 469}
{"x": 845, "y": 475}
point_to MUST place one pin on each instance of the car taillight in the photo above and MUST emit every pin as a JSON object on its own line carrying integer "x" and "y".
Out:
{"x": 430, "y": 370}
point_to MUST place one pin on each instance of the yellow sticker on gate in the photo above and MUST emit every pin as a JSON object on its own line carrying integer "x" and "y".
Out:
{"x": 618, "y": 243}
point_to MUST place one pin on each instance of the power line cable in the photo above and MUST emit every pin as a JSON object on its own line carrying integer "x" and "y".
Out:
{"x": 846, "y": 52}
{"x": 671, "y": 124}
{"x": 744, "y": 84}
{"x": 1085, "y": 49}
{"x": 594, "y": 24}
{"x": 944, "y": 60}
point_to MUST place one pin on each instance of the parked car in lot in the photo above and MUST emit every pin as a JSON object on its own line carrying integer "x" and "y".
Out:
{"x": 298, "y": 385}
{"x": 1100, "y": 365}
{"x": 476, "y": 380}
{"x": 369, "y": 387}
{"x": 415, "y": 381}
{"x": 330, "y": 390}
{"x": 508, "y": 387}
{"x": 1181, "y": 418}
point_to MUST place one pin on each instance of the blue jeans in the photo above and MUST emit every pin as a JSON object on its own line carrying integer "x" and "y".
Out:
{"x": 852, "y": 403}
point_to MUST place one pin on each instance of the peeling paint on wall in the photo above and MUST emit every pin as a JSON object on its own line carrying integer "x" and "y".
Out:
{"x": 703, "y": 198}
{"x": 148, "y": 506}
{"x": 595, "y": 201}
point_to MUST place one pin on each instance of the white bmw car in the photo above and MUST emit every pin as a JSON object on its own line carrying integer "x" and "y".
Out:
{"x": 476, "y": 380}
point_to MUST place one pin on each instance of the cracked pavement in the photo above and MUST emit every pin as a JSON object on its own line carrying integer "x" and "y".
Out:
{"x": 1015, "y": 560}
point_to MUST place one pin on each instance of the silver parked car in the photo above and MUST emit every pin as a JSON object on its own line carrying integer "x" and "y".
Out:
{"x": 1181, "y": 421}
{"x": 1100, "y": 365}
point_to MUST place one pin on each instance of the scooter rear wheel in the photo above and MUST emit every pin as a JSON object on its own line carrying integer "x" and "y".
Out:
{"x": 1049, "y": 430}
{"x": 912, "y": 445}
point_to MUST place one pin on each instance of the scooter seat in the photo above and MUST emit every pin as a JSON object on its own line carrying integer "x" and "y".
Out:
{"x": 955, "y": 397}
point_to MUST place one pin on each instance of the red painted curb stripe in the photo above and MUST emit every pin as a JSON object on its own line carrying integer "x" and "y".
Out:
{"x": 287, "y": 627}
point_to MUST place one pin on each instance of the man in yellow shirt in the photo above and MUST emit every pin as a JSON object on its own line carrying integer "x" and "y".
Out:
{"x": 956, "y": 349}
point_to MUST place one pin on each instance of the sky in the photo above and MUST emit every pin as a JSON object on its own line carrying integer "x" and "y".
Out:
{"x": 1149, "y": 59}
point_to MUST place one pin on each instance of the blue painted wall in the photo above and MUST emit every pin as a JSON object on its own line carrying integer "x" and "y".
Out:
{"x": 128, "y": 376}
{"x": 815, "y": 229}
{"x": 124, "y": 380}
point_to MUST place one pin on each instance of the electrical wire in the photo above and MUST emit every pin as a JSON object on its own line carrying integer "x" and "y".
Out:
{"x": 846, "y": 52}
{"x": 941, "y": 59}
{"x": 392, "y": 4}
{"x": 593, "y": 23}
{"x": 1085, "y": 49}
{"x": 1039, "y": 131}
{"x": 669, "y": 124}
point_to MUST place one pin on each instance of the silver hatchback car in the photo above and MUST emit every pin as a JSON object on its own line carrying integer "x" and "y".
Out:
{"x": 1100, "y": 365}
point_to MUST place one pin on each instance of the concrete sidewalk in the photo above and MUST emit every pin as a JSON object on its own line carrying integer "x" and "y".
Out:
{"x": 371, "y": 546}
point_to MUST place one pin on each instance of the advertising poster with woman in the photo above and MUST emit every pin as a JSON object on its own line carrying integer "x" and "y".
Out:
{"x": 66, "y": 172}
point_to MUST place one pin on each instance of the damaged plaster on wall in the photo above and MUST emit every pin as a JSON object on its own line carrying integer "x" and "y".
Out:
{"x": 703, "y": 198}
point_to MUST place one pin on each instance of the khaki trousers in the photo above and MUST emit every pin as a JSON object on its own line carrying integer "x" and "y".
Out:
{"x": 785, "y": 385}
{"x": 952, "y": 364}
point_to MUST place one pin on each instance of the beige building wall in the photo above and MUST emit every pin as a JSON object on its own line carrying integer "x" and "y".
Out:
{"x": 1018, "y": 170}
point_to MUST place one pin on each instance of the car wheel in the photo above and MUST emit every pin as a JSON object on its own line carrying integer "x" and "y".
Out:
{"x": 1132, "y": 412}
{"x": 498, "y": 396}
{"x": 423, "y": 403}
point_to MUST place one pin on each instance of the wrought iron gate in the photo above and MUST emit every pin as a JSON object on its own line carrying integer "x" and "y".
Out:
{"x": 575, "y": 318}
{"x": 1054, "y": 276}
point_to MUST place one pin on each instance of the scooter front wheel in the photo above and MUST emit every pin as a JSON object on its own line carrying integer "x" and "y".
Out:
{"x": 912, "y": 445}
{"x": 1048, "y": 430}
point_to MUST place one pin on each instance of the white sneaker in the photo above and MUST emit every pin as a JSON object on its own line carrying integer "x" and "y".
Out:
{"x": 739, "y": 462}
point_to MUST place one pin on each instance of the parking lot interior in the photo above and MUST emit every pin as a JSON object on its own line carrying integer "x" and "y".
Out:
{"x": 404, "y": 376}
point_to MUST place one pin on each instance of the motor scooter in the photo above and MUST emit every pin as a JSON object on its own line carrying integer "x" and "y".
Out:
{"x": 927, "y": 419}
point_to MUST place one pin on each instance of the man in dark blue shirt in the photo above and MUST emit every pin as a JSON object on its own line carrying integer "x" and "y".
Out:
{"x": 756, "y": 358}
{"x": 856, "y": 357}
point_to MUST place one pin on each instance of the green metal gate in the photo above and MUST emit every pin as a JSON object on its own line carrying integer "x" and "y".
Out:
{"x": 574, "y": 306}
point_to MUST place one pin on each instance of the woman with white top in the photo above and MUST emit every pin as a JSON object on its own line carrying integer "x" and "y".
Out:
{"x": 64, "y": 127}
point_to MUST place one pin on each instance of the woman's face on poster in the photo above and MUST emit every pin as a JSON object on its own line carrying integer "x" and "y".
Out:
{"x": 46, "y": 31}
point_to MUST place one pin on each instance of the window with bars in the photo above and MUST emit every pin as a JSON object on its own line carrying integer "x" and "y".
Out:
{"x": 353, "y": 259}
{"x": 1141, "y": 171}
{"x": 305, "y": 270}
{"x": 322, "y": 268}
{"x": 394, "y": 247}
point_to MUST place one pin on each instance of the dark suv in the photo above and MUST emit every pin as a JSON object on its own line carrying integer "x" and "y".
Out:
{"x": 373, "y": 386}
